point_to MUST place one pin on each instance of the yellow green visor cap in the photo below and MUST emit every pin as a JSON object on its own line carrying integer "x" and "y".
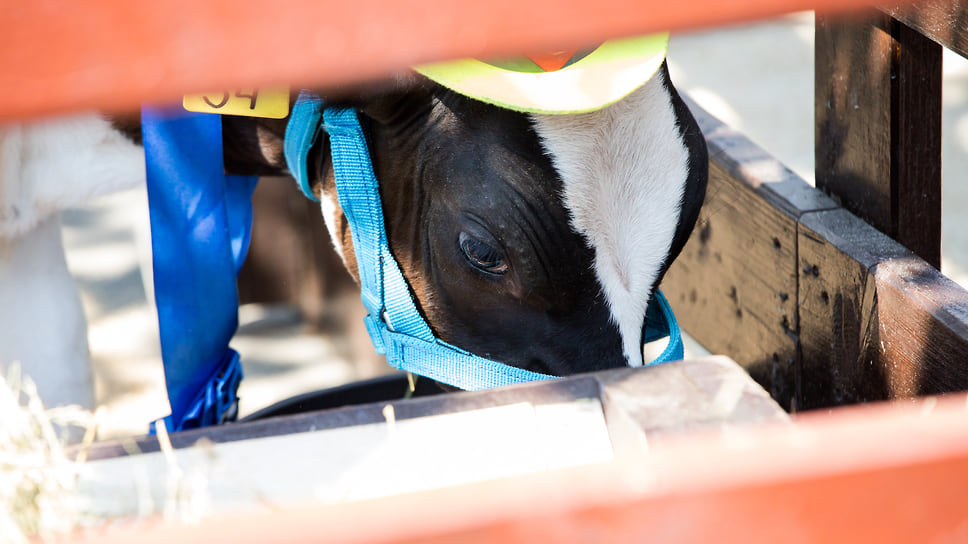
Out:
{"x": 561, "y": 82}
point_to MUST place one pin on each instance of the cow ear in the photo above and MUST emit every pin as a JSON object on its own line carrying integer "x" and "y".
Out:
{"x": 253, "y": 146}
{"x": 385, "y": 102}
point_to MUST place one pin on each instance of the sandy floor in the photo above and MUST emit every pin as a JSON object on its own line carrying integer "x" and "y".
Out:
{"x": 758, "y": 78}
{"x": 104, "y": 241}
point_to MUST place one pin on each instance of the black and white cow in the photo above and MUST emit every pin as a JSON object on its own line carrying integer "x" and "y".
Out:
{"x": 534, "y": 240}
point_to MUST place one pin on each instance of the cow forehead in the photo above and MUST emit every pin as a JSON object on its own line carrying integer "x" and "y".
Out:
{"x": 523, "y": 212}
{"x": 480, "y": 160}
{"x": 623, "y": 169}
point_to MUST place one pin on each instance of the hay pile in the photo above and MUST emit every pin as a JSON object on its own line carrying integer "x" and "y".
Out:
{"x": 38, "y": 497}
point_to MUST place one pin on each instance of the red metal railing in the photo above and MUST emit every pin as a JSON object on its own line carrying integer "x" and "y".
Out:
{"x": 113, "y": 54}
{"x": 877, "y": 473}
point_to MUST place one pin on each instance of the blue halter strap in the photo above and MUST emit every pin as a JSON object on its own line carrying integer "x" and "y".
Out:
{"x": 395, "y": 325}
{"x": 200, "y": 224}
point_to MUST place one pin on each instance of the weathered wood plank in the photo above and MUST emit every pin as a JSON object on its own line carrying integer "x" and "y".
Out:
{"x": 400, "y": 446}
{"x": 944, "y": 21}
{"x": 650, "y": 408}
{"x": 734, "y": 287}
{"x": 878, "y": 126}
{"x": 708, "y": 392}
{"x": 823, "y": 345}
{"x": 876, "y": 321}
{"x": 923, "y": 323}
{"x": 536, "y": 393}
{"x": 838, "y": 309}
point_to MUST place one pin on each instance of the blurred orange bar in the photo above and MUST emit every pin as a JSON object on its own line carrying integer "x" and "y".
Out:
{"x": 59, "y": 55}
{"x": 879, "y": 473}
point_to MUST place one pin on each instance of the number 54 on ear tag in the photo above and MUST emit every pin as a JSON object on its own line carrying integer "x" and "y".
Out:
{"x": 269, "y": 103}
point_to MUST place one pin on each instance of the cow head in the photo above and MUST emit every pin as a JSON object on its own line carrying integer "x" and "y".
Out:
{"x": 533, "y": 240}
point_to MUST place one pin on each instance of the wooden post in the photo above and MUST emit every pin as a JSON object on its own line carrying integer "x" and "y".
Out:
{"x": 878, "y": 126}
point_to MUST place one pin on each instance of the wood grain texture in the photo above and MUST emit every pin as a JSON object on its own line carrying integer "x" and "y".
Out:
{"x": 672, "y": 400}
{"x": 838, "y": 309}
{"x": 546, "y": 392}
{"x": 923, "y": 324}
{"x": 734, "y": 286}
{"x": 810, "y": 299}
{"x": 877, "y": 322}
{"x": 704, "y": 393}
{"x": 943, "y": 21}
{"x": 878, "y": 126}
{"x": 510, "y": 432}
{"x": 916, "y": 143}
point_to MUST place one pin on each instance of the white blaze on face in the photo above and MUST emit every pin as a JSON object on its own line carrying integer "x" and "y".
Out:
{"x": 328, "y": 205}
{"x": 623, "y": 170}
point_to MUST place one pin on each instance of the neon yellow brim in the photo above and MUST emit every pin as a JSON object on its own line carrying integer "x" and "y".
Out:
{"x": 605, "y": 76}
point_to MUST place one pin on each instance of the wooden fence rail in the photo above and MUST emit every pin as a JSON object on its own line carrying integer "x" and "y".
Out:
{"x": 820, "y": 307}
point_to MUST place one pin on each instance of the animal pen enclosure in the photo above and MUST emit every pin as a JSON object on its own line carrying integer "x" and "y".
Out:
{"x": 827, "y": 297}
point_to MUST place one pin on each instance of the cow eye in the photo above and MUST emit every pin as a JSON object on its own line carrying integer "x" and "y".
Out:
{"x": 481, "y": 255}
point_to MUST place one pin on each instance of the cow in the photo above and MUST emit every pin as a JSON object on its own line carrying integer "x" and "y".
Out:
{"x": 535, "y": 240}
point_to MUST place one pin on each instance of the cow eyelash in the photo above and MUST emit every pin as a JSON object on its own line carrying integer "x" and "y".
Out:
{"x": 482, "y": 256}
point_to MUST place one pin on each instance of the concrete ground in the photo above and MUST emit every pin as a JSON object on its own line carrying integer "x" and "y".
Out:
{"x": 757, "y": 78}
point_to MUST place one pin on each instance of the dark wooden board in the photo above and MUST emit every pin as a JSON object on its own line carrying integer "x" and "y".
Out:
{"x": 838, "y": 309}
{"x": 877, "y": 322}
{"x": 925, "y": 319}
{"x": 944, "y": 21}
{"x": 536, "y": 393}
{"x": 878, "y": 126}
{"x": 803, "y": 293}
{"x": 734, "y": 286}
{"x": 637, "y": 404}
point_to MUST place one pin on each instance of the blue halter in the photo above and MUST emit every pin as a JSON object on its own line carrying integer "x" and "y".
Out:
{"x": 395, "y": 325}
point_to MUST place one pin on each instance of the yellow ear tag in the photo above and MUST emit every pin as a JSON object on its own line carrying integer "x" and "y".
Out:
{"x": 269, "y": 103}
